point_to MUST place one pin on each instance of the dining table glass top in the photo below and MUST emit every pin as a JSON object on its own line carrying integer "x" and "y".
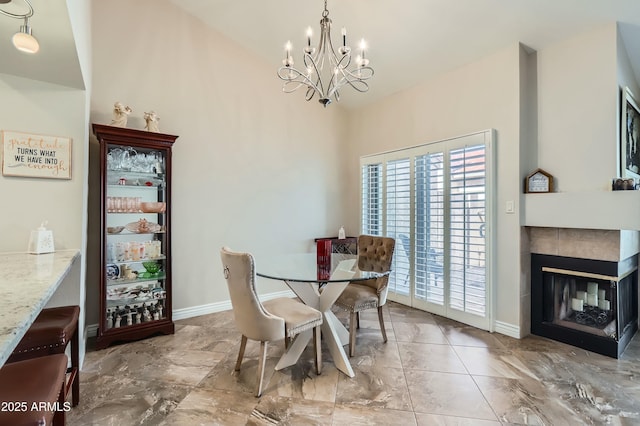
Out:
{"x": 304, "y": 267}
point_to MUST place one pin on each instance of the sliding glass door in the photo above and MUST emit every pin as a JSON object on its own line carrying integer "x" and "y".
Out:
{"x": 435, "y": 200}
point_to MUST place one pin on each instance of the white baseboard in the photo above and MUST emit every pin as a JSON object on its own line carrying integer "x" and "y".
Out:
{"x": 507, "y": 329}
{"x": 196, "y": 311}
{"x": 91, "y": 330}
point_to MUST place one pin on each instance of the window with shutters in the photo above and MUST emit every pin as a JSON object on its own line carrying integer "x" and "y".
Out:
{"x": 434, "y": 199}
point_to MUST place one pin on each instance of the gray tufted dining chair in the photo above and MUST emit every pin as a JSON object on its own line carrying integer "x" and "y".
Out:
{"x": 374, "y": 254}
{"x": 276, "y": 319}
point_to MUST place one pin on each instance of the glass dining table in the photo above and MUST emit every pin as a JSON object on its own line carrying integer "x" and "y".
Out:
{"x": 319, "y": 288}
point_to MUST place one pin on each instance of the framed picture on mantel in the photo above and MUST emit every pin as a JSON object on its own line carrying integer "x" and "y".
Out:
{"x": 538, "y": 182}
{"x": 629, "y": 136}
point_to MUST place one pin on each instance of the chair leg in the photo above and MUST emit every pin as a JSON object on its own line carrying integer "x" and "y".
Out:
{"x": 261, "y": 364}
{"x": 243, "y": 345}
{"x": 382, "y": 329}
{"x": 59, "y": 415}
{"x": 318, "y": 348}
{"x": 352, "y": 333}
{"x": 75, "y": 365}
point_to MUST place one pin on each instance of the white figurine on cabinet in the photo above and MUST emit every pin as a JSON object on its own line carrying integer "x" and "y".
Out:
{"x": 152, "y": 119}
{"x": 120, "y": 115}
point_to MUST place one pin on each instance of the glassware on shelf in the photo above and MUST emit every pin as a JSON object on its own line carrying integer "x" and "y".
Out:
{"x": 114, "y": 159}
{"x": 152, "y": 269}
{"x": 143, "y": 226}
{"x": 128, "y": 158}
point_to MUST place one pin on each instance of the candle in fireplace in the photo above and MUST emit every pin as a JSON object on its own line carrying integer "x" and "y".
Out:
{"x": 592, "y": 299}
{"x": 605, "y": 305}
{"x": 582, "y": 295}
{"x": 577, "y": 304}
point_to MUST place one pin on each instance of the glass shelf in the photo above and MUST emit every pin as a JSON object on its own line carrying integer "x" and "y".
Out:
{"x": 129, "y": 234}
{"x": 130, "y": 261}
{"x": 138, "y": 213}
{"x": 137, "y": 324}
{"x": 114, "y": 303}
{"x": 131, "y": 174}
{"x": 125, "y": 282}
{"x": 138, "y": 186}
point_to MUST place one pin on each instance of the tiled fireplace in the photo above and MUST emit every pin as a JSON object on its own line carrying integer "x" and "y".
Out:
{"x": 584, "y": 287}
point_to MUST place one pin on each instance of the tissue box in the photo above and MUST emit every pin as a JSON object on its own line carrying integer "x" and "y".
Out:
{"x": 41, "y": 241}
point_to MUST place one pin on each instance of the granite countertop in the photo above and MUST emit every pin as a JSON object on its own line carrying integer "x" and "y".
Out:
{"x": 27, "y": 282}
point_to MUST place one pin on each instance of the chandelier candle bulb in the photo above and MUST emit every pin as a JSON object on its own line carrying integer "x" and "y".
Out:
{"x": 288, "y": 60}
{"x": 309, "y": 34}
{"x": 344, "y": 37}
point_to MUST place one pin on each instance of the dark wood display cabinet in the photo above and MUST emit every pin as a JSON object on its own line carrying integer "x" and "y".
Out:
{"x": 135, "y": 249}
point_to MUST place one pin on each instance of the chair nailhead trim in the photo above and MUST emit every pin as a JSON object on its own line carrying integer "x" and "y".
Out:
{"x": 304, "y": 327}
{"x": 359, "y": 308}
{"x": 37, "y": 348}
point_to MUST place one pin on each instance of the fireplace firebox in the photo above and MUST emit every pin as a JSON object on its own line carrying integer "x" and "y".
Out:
{"x": 591, "y": 304}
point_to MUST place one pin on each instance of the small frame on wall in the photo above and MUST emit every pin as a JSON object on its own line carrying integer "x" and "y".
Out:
{"x": 538, "y": 182}
{"x": 33, "y": 155}
{"x": 629, "y": 136}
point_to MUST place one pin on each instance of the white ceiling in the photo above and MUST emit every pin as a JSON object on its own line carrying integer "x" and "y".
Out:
{"x": 413, "y": 40}
{"x": 409, "y": 40}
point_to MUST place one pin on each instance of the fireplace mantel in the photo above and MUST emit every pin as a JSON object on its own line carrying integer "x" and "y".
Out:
{"x": 598, "y": 244}
{"x": 613, "y": 210}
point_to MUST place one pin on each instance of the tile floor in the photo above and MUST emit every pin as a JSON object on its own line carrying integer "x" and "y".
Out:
{"x": 432, "y": 371}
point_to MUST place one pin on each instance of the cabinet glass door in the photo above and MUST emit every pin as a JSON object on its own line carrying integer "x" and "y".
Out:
{"x": 136, "y": 230}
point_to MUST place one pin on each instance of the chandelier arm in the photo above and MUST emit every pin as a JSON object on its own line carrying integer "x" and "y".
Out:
{"x": 364, "y": 73}
{"x": 301, "y": 79}
{"x": 349, "y": 78}
{"x": 309, "y": 95}
{"x": 318, "y": 86}
{"x": 354, "y": 78}
{"x": 336, "y": 66}
{"x": 29, "y": 14}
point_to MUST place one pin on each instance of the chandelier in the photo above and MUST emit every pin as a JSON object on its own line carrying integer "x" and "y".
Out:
{"x": 325, "y": 71}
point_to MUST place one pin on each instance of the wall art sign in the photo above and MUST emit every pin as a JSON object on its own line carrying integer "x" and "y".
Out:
{"x": 33, "y": 155}
{"x": 629, "y": 136}
{"x": 538, "y": 181}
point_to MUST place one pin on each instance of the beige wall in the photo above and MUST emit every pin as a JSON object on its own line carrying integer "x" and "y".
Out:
{"x": 577, "y": 111}
{"x": 479, "y": 96}
{"x": 36, "y": 107}
{"x": 254, "y": 168}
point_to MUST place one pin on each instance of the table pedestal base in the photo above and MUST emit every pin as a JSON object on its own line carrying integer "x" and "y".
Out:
{"x": 333, "y": 332}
